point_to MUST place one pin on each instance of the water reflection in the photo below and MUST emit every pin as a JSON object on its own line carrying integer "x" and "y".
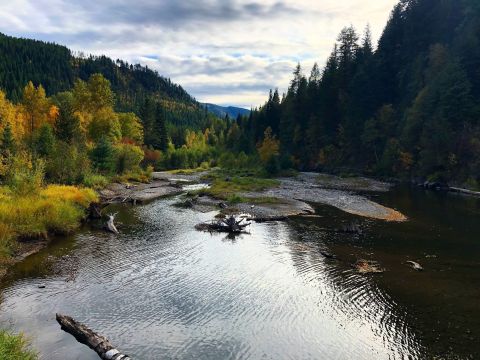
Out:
{"x": 163, "y": 290}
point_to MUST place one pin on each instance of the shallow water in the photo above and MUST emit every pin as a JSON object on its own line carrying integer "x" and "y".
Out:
{"x": 161, "y": 290}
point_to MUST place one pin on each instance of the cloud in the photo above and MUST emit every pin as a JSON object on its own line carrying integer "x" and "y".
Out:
{"x": 226, "y": 51}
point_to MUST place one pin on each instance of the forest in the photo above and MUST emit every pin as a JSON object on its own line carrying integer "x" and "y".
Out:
{"x": 407, "y": 108}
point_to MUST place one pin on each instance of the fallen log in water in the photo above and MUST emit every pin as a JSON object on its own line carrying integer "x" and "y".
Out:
{"x": 96, "y": 342}
{"x": 464, "y": 191}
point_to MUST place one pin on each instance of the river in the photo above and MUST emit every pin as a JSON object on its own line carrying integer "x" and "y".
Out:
{"x": 162, "y": 290}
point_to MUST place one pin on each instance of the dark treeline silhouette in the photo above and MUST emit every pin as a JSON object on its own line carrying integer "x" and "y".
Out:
{"x": 407, "y": 108}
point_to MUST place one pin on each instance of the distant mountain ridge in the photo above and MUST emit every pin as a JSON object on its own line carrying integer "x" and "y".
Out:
{"x": 222, "y": 111}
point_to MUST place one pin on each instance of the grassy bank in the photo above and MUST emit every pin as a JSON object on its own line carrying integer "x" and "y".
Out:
{"x": 15, "y": 347}
{"x": 229, "y": 186}
{"x": 53, "y": 209}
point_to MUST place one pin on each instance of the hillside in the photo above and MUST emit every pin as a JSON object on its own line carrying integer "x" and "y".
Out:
{"x": 56, "y": 68}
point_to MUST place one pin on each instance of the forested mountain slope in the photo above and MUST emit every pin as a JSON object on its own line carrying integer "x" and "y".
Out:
{"x": 56, "y": 69}
{"x": 409, "y": 107}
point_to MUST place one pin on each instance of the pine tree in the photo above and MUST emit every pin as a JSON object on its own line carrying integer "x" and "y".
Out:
{"x": 67, "y": 126}
{"x": 45, "y": 141}
{"x": 7, "y": 143}
{"x": 161, "y": 129}
{"x": 103, "y": 156}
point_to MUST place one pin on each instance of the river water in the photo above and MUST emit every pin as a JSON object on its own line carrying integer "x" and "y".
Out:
{"x": 162, "y": 290}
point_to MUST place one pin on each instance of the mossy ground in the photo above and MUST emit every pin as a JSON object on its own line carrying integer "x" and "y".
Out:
{"x": 230, "y": 187}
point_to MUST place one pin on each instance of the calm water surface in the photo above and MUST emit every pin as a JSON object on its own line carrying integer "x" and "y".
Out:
{"x": 161, "y": 290}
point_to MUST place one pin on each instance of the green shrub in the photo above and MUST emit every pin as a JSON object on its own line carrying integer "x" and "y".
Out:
{"x": 138, "y": 175}
{"x": 230, "y": 160}
{"x": 25, "y": 176}
{"x": 272, "y": 166}
{"x": 95, "y": 181}
{"x": 235, "y": 199}
{"x": 128, "y": 157}
{"x": 68, "y": 164}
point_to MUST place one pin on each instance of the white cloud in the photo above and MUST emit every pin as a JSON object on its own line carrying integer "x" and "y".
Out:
{"x": 222, "y": 51}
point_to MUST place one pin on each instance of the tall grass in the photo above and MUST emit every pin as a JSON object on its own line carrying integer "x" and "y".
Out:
{"x": 7, "y": 244}
{"x": 56, "y": 208}
{"x": 15, "y": 347}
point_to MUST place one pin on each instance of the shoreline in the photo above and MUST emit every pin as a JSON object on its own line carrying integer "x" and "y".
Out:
{"x": 293, "y": 197}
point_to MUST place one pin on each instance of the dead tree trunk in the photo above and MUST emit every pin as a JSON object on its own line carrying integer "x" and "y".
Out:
{"x": 96, "y": 342}
{"x": 110, "y": 225}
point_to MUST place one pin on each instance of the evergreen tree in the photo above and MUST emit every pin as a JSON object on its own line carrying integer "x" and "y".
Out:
{"x": 67, "y": 125}
{"x": 45, "y": 141}
{"x": 7, "y": 143}
{"x": 103, "y": 156}
{"x": 161, "y": 129}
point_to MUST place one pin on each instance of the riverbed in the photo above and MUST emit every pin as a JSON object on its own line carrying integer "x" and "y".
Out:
{"x": 162, "y": 290}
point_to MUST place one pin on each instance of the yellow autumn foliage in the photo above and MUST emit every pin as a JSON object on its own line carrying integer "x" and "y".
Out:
{"x": 56, "y": 208}
{"x": 269, "y": 147}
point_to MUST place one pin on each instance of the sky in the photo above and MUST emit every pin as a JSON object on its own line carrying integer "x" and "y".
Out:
{"x": 228, "y": 52}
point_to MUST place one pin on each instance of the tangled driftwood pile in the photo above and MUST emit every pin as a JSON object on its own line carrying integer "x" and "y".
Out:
{"x": 229, "y": 225}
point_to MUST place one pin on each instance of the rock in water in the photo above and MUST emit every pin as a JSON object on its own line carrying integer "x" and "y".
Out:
{"x": 415, "y": 265}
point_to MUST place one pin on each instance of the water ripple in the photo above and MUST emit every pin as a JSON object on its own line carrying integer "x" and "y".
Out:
{"x": 162, "y": 290}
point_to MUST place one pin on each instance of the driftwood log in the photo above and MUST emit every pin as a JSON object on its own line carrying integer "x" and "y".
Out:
{"x": 230, "y": 225}
{"x": 96, "y": 342}
{"x": 415, "y": 265}
{"x": 110, "y": 224}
